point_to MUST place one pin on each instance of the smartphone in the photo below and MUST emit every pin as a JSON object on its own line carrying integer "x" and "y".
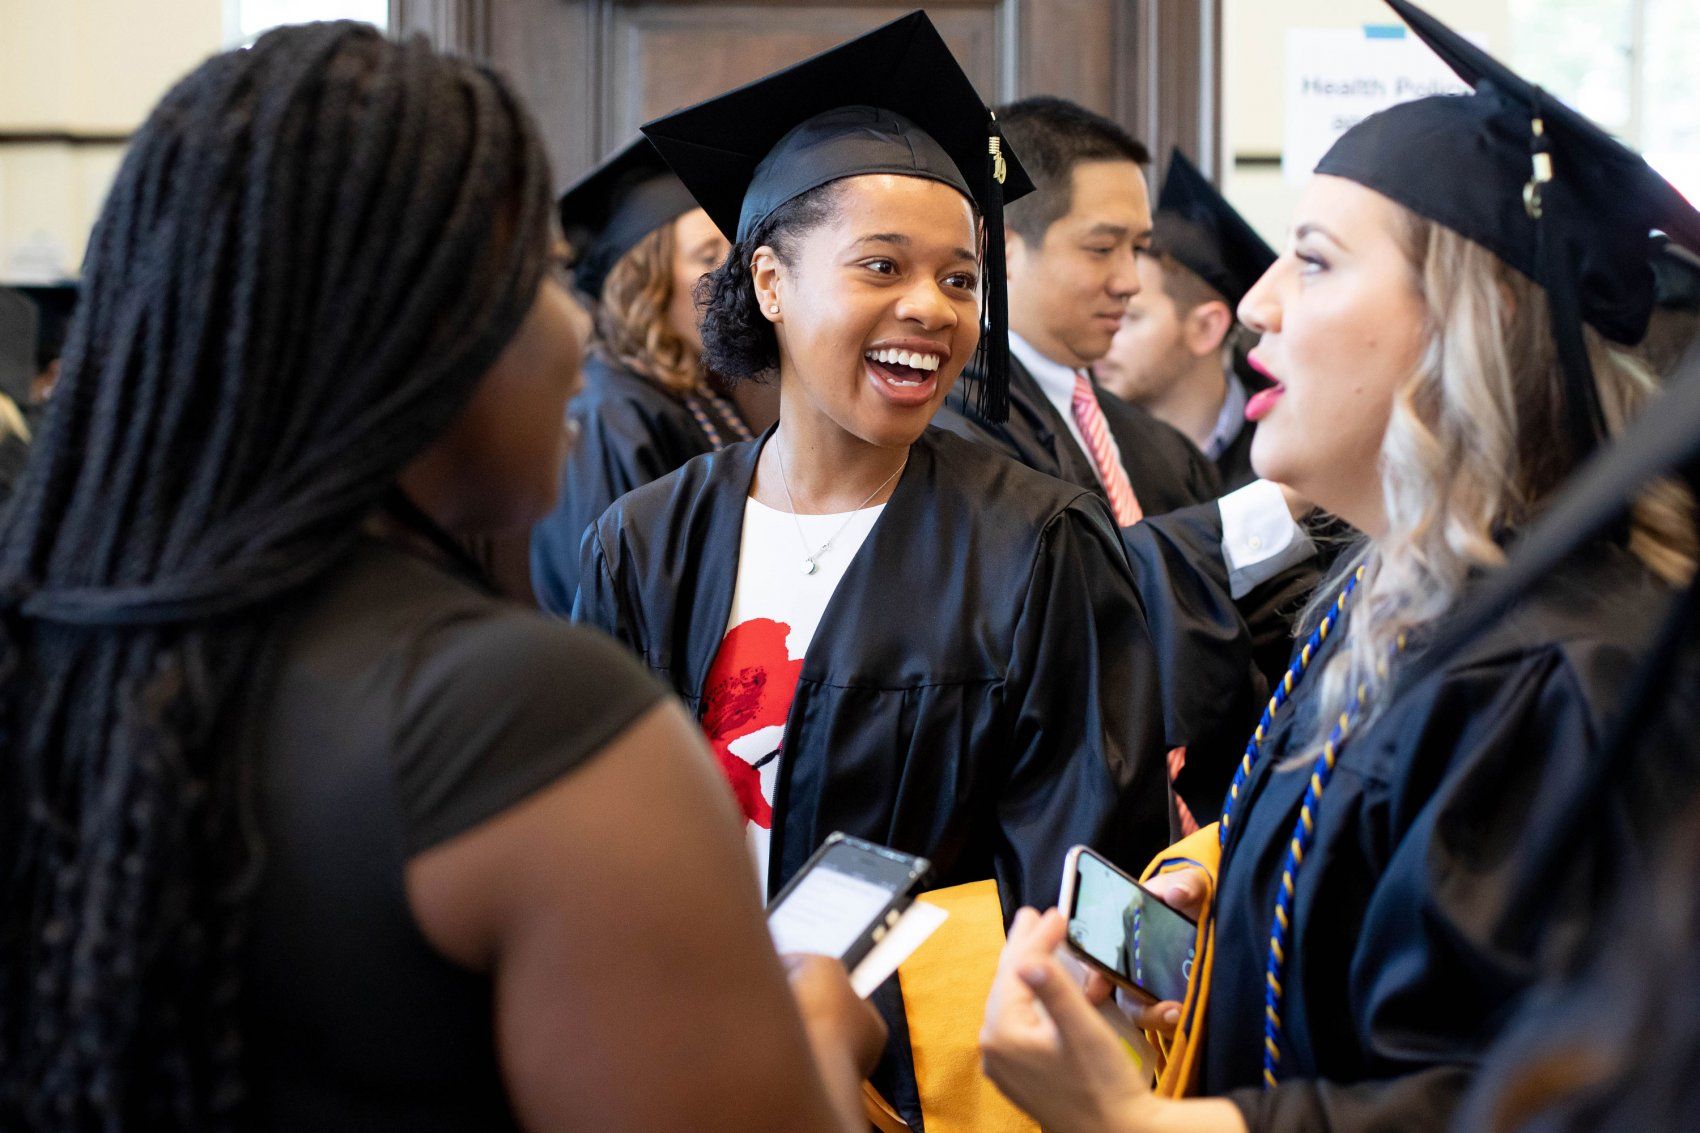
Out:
{"x": 1125, "y": 931}
{"x": 844, "y": 899}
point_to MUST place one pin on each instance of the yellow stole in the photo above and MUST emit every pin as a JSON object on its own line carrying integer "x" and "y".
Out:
{"x": 1178, "y": 1058}
{"x": 946, "y": 982}
{"x": 945, "y": 985}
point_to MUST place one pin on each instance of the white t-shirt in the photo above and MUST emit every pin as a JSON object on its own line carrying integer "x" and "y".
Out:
{"x": 776, "y": 607}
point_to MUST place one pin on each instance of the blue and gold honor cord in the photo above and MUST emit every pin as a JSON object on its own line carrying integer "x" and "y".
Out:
{"x": 1304, "y": 831}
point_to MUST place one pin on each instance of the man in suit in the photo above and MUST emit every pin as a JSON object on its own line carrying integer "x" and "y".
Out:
{"x": 1178, "y": 353}
{"x": 1072, "y": 252}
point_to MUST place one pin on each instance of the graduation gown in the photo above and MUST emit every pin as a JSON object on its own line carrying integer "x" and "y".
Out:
{"x": 980, "y": 689}
{"x": 1418, "y": 924}
{"x": 1217, "y": 656}
{"x": 1165, "y": 469}
{"x": 1233, "y": 463}
{"x": 630, "y": 431}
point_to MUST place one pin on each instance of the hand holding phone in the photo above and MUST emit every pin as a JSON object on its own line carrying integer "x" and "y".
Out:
{"x": 844, "y": 899}
{"x": 1121, "y": 929}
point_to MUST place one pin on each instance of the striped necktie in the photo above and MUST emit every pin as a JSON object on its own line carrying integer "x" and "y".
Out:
{"x": 1090, "y": 417}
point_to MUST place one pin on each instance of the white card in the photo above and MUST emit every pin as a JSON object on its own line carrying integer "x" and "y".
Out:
{"x": 912, "y": 929}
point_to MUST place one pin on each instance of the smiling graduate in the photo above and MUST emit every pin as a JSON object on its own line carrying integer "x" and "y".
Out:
{"x": 884, "y": 629}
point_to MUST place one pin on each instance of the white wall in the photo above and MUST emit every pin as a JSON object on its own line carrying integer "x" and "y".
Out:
{"x": 1254, "y": 45}
{"x": 81, "y": 66}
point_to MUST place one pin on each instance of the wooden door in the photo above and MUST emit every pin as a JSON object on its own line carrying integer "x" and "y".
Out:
{"x": 593, "y": 70}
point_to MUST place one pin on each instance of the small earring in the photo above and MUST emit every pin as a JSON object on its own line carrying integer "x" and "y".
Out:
{"x": 773, "y": 308}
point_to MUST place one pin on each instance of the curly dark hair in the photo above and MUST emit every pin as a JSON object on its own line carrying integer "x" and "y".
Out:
{"x": 738, "y": 341}
{"x": 314, "y": 250}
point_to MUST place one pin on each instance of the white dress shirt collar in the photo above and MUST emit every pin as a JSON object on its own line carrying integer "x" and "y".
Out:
{"x": 1056, "y": 379}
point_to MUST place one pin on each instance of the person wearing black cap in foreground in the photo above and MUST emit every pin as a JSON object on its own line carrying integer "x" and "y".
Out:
{"x": 883, "y": 628}
{"x": 641, "y": 245}
{"x": 1612, "y": 1047}
{"x": 1373, "y": 925}
{"x": 1178, "y": 355}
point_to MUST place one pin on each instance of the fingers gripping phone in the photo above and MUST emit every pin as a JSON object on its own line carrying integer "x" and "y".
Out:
{"x": 1122, "y": 929}
{"x": 844, "y": 899}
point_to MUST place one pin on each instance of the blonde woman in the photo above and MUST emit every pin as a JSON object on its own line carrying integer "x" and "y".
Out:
{"x": 1445, "y": 351}
{"x": 647, "y": 407}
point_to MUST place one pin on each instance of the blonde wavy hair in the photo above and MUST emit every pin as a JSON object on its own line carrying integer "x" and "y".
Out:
{"x": 1474, "y": 448}
{"x": 631, "y": 320}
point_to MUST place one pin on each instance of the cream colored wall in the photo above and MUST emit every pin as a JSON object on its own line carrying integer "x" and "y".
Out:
{"x": 81, "y": 66}
{"x": 1254, "y": 49}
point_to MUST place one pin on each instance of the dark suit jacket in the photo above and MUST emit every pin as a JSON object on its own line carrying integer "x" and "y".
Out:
{"x": 1165, "y": 469}
{"x": 1234, "y": 464}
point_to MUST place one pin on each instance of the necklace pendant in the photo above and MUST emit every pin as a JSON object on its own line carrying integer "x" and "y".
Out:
{"x": 809, "y": 566}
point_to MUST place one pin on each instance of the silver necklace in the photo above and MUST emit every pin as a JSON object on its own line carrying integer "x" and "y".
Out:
{"x": 811, "y": 563}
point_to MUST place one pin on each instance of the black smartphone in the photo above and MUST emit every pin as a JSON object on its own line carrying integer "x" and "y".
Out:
{"x": 844, "y": 899}
{"x": 1125, "y": 931}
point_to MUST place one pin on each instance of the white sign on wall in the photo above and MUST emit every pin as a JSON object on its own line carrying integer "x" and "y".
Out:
{"x": 1336, "y": 77}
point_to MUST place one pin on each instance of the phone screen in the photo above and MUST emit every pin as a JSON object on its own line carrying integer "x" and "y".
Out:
{"x": 830, "y": 906}
{"x": 1129, "y": 931}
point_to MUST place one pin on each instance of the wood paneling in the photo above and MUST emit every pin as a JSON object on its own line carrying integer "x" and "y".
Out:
{"x": 1169, "y": 86}
{"x": 593, "y": 70}
{"x": 659, "y": 57}
{"x": 456, "y": 25}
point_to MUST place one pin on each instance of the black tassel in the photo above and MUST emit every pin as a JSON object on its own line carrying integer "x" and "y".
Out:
{"x": 992, "y": 398}
{"x": 1584, "y": 416}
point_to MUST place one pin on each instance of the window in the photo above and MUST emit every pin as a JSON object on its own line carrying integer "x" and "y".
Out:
{"x": 1628, "y": 65}
{"x": 246, "y": 20}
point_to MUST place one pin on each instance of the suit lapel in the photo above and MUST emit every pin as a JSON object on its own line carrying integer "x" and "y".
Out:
{"x": 1050, "y": 431}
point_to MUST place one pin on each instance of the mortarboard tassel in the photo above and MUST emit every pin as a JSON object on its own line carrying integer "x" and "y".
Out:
{"x": 1584, "y": 417}
{"x": 992, "y": 398}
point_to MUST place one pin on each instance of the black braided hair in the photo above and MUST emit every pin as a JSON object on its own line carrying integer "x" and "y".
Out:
{"x": 313, "y": 251}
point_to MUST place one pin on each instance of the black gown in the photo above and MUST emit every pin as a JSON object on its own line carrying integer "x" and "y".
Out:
{"x": 630, "y": 431}
{"x": 1418, "y": 925}
{"x": 1233, "y": 463}
{"x": 1217, "y": 656}
{"x": 980, "y": 689}
{"x": 1165, "y": 469}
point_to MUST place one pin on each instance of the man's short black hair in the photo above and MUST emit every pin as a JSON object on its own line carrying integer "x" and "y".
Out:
{"x": 1051, "y": 136}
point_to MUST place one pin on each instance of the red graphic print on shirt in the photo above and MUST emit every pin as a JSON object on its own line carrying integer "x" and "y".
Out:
{"x": 749, "y": 687}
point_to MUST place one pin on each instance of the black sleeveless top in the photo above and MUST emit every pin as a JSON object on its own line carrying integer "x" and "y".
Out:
{"x": 407, "y": 707}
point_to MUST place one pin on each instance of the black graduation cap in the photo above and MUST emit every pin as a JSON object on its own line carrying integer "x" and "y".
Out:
{"x": 55, "y": 303}
{"x": 1198, "y": 227}
{"x": 605, "y": 213}
{"x": 892, "y": 101}
{"x": 18, "y": 322}
{"x": 1512, "y": 168}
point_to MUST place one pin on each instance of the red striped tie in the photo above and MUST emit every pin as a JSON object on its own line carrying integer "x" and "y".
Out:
{"x": 1087, "y": 414}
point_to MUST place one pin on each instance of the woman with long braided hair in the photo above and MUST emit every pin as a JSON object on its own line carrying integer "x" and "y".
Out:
{"x": 290, "y": 839}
